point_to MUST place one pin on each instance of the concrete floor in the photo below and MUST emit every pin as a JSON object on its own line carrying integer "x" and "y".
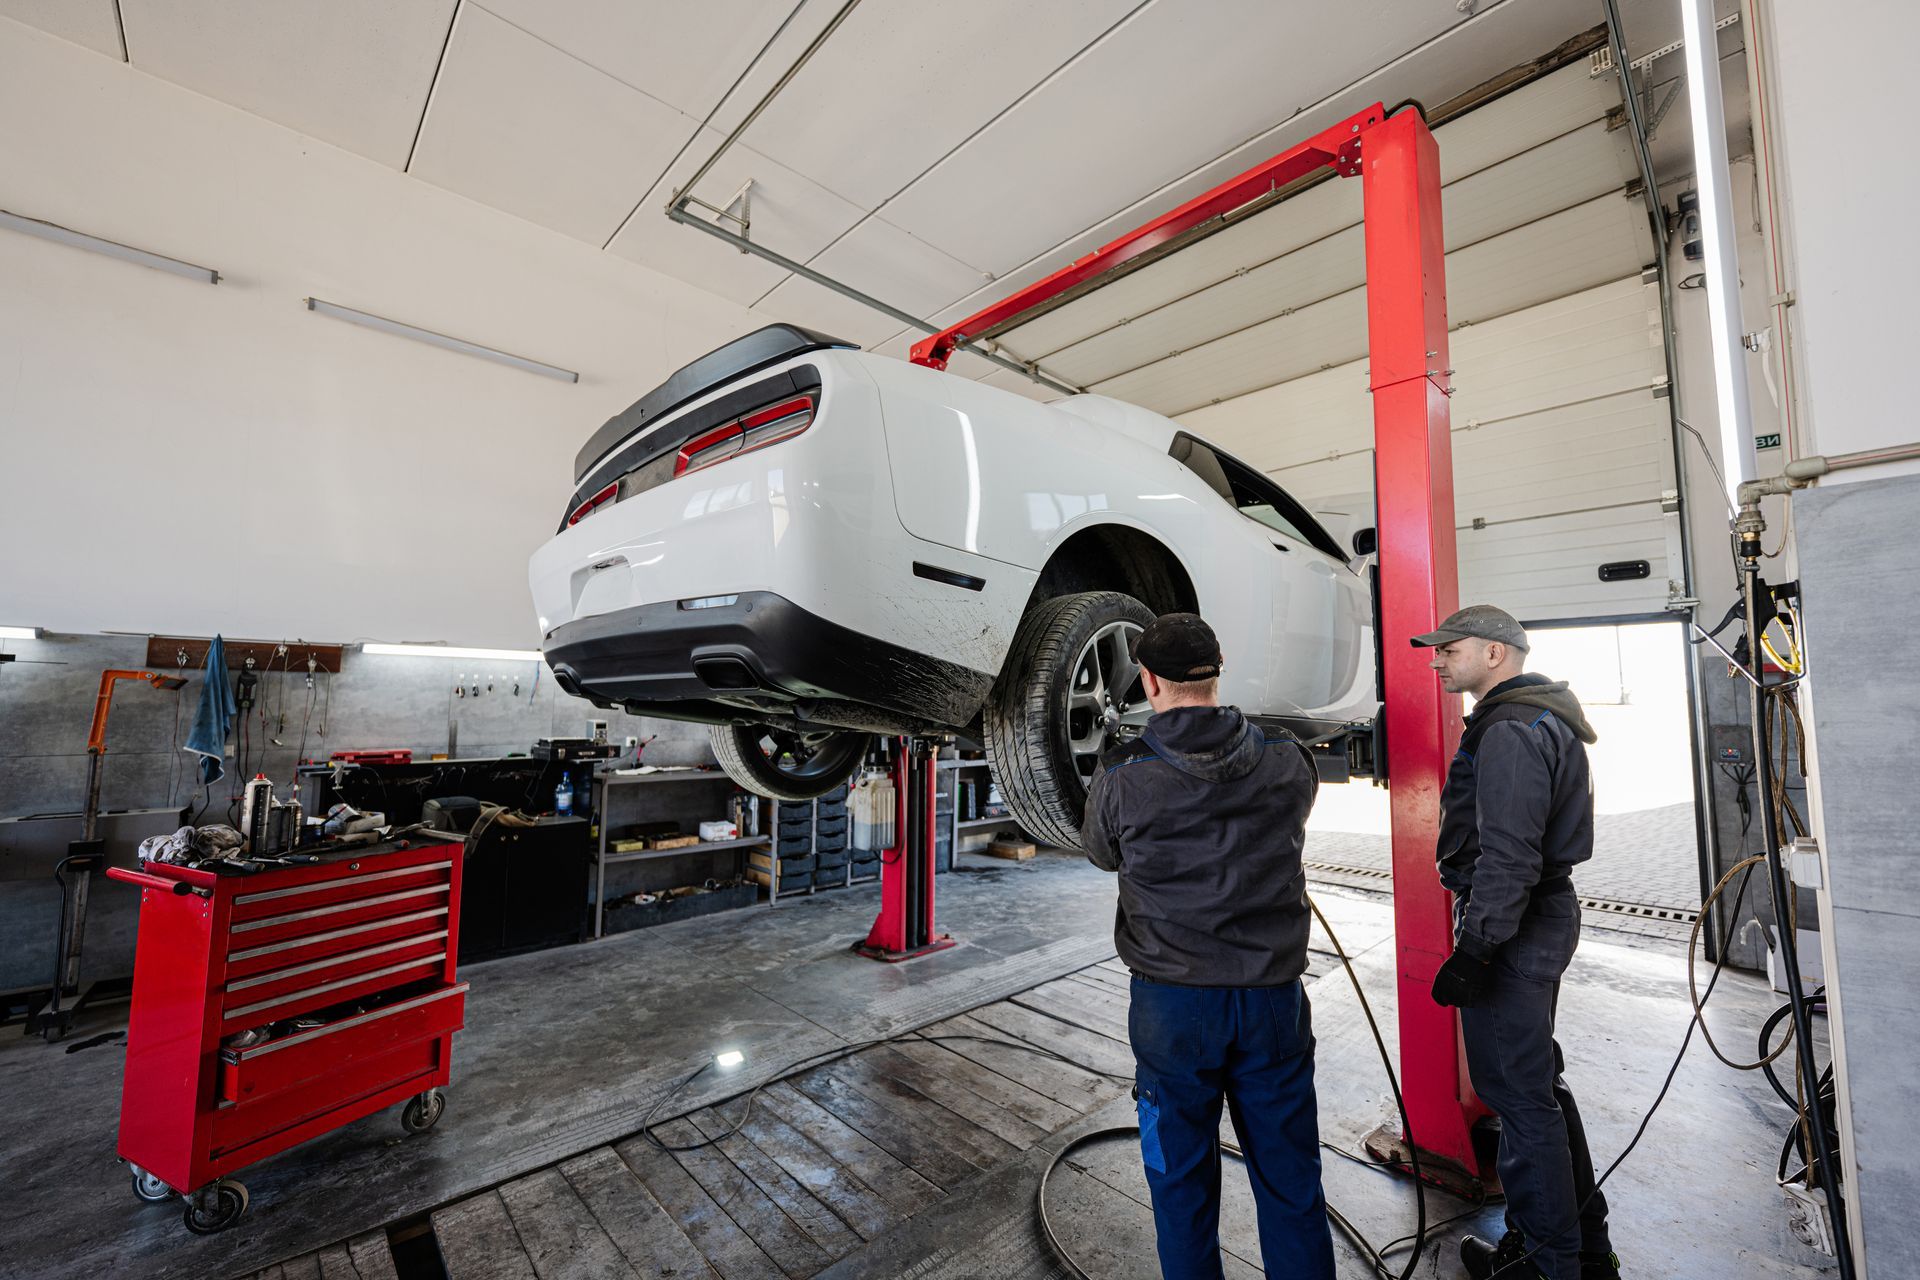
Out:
{"x": 568, "y": 1049}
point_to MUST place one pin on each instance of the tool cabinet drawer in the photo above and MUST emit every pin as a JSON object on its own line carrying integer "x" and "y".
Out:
{"x": 297, "y": 920}
{"x": 325, "y": 886}
{"x": 260, "y": 1071}
{"x": 250, "y": 958}
{"x": 365, "y": 975}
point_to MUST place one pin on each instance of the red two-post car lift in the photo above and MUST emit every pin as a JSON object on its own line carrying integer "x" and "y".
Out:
{"x": 1398, "y": 164}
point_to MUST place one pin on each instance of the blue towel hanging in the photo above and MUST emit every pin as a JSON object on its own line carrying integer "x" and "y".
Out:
{"x": 214, "y": 718}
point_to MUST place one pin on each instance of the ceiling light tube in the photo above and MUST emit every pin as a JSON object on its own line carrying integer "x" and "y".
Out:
{"x": 449, "y": 651}
{"x": 1714, "y": 184}
{"x": 111, "y": 248}
{"x": 461, "y": 345}
{"x": 19, "y": 633}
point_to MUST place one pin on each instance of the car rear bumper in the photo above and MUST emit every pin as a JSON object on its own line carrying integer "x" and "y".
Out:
{"x": 757, "y": 651}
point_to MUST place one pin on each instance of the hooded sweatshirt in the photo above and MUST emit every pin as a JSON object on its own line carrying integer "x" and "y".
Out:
{"x": 1204, "y": 818}
{"x": 1517, "y": 811}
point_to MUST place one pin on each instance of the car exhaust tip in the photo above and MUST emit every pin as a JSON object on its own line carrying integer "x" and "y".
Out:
{"x": 726, "y": 672}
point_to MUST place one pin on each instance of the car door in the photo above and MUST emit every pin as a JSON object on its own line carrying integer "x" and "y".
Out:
{"x": 1316, "y": 643}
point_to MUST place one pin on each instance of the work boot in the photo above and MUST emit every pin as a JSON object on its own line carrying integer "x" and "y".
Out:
{"x": 1606, "y": 1266}
{"x": 1483, "y": 1260}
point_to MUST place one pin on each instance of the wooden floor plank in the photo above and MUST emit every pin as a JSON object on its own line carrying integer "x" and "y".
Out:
{"x": 947, "y": 1088}
{"x": 559, "y": 1232}
{"x": 912, "y": 1145}
{"x": 304, "y": 1267}
{"x": 643, "y": 1231}
{"x": 1115, "y": 966}
{"x": 336, "y": 1263}
{"x": 478, "y": 1242}
{"x": 1072, "y": 1086}
{"x": 1069, "y": 1040}
{"x": 1120, "y": 982}
{"x": 868, "y": 1072}
{"x": 1109, "y": 1000}
{"x": 777, "y": 1235}
{"x": 274, "y": 1272}
{"x": 904, "y": 1190}
{"x": 372, "y": 1256}
{"x": 1035, "y": 1108}
{"x": 832, "y": 1183}
{"x": 1076, "y": 1007}
{"x": 721, "y": 1240}
{"x": 820, "y": 1223}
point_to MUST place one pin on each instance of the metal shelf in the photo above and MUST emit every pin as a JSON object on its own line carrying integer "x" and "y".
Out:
{"x": 1006, "y": 820}
{"x": 705, "y": 846}
{"x": 689, "y": 775}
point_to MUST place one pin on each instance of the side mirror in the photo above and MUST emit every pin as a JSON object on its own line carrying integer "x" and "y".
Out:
{"x": 1366, "y": 541}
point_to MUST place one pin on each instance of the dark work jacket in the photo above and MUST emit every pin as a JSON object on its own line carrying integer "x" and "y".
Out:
{"x": 1204, "y": 817}
{"x": 1517, "y": 808}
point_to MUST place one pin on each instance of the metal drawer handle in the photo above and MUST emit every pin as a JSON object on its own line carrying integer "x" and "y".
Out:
{"x": 267, "y": 922}
{"x": 306, "y": 1037}
{"x": 335, "y": 985}
{"x": 319, "y": 885}
{"x": 332, "y": 962}
{"x": 314, "y": 939}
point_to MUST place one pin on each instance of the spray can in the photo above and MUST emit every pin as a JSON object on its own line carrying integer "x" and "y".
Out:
{"x": 256, "y": 809}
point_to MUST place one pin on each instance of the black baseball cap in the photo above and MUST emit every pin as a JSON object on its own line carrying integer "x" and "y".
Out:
{"x": 1476, "y": 621}
{"x": 1179, "y": 647}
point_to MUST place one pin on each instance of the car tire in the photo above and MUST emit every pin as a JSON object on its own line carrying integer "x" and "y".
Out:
{"x": 1029, "y": 729}
{"x": 783, "y": 765}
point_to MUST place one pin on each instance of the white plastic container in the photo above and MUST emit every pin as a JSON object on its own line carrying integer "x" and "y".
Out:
{"x": 719, "y": 831}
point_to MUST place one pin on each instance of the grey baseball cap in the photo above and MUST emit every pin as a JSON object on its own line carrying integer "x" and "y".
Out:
{"x": 1477, "y": 621}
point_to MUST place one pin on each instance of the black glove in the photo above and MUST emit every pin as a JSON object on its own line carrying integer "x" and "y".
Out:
{"x": 1462, "y": 980}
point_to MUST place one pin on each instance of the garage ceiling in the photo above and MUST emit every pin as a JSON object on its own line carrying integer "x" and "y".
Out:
{"x": 936, "y": 156}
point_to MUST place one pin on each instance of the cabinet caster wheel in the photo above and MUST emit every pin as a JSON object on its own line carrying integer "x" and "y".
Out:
{"x": 150, "y": 1188}
{"x": 423, "y": 1111}
{"x": 217, "y": 1207}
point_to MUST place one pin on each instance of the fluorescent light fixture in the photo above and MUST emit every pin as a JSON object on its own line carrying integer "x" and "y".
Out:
{"x": 19, "y": 633}
{"x": 449, "y": 651}
{"x": 111, "y": 248}
{"x": 731, "y": 1058}
{"x": 1712, "y": 180}
{"x": 384, "y": 325}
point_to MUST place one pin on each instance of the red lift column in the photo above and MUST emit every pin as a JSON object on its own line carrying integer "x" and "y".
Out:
{"x": 1413, "y": 486}
{"x": 905, "y": 926}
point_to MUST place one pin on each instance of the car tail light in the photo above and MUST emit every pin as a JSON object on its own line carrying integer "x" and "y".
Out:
{"x": 594, "y": 503}
{"x": 756, "y": 430}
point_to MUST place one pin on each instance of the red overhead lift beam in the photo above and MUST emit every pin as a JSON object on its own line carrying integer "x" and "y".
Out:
{"x": 1399, "y": 167}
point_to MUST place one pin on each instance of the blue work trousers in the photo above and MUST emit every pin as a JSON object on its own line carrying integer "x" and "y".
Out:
{"x": 1251, "y": 1047}
{"x": 1545, "y": 1167}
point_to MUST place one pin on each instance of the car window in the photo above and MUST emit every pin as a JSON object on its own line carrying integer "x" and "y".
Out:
{"x": 1252, "y": 494}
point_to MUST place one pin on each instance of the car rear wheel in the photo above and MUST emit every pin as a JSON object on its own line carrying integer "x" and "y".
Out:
{"x": 1070, "y": 689}
{"x": 786, "y": 764}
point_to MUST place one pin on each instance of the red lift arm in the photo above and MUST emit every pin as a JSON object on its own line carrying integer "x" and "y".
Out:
{"x": 1398, "y": 164}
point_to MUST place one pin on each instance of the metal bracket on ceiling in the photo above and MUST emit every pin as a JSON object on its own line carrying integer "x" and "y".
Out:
{"x": 1600, "y": 61}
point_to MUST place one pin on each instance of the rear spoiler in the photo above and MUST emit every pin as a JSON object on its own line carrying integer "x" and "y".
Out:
{"x": 758, "y": 350}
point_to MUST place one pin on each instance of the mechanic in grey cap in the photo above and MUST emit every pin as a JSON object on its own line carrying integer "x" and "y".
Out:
{"x": 1204, "y": 817}
{"x": 1516, "y": 816}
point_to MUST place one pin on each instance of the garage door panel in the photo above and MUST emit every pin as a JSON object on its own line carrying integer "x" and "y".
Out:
{"x": 1541, "y": 570}
{"x": 1273, "y": 264}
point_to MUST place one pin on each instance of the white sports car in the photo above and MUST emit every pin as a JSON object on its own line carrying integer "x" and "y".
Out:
{"x": 802, "y": 544}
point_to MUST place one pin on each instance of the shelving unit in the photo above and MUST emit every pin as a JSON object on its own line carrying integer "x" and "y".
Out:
{"x": 952, "y": 771}
{"x": 622, "y": 799}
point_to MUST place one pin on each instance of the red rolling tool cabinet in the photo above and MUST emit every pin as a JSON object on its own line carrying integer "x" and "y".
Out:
{"x": 274, "y": 1007}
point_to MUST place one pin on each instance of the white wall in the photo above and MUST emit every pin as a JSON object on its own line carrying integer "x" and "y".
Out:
{"x": 1850, "y": 195}
{"x": 179, "y": 457}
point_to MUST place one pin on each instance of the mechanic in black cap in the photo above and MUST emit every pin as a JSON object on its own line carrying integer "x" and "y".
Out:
{"x": 1516, "y": 816}
{"x": 1204, "y": 817}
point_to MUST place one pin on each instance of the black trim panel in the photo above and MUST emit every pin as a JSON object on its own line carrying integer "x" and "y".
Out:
{"x": 934, "y": 573}
{"x": 738, "y": 358}
{"x": 662, "y": 659}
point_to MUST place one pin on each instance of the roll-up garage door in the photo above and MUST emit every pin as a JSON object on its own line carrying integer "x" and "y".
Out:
{"x": 1255, "y": 337}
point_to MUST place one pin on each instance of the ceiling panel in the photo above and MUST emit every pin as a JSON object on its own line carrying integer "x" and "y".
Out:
{"x": 686, "y": 55}
{"x": 903, "y": 82}
{"x": 351, "y": 72}
{"x": 879, "y": 258}
{"x": 791, "y": 215}
{"x": 84, "y": 22}
{"x": 517, "y": 124}
{"x": 1096, "y": 136}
